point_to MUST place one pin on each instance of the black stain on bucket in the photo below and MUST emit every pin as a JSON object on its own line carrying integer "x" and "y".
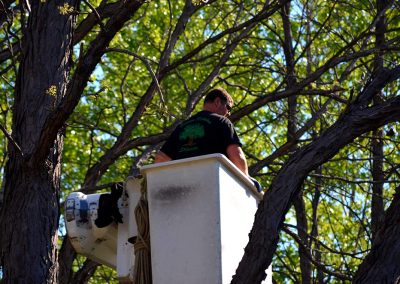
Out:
{"x": 173, "y": 193}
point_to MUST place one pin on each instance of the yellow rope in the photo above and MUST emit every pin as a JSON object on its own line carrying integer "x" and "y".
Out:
{"x": 142, "y": 267}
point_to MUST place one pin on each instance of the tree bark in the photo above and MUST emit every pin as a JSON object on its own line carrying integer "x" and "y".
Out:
{"x": 382, "y": 263}
{"x": 83, "y": 275}
{"x": 377, "y": 205}
{"x": 299, "y": 206}
{"x": 302, "y": 228}
{"x": 314, "y": 228}
{"x": 30, "y": 213}
{"x": 67, "y": 256}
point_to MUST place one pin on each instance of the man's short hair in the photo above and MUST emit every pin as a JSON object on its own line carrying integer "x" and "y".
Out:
{"x": 218, "y": 93}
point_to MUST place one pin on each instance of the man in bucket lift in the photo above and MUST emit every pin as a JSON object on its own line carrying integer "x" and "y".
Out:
{"x": 207, "y": 132}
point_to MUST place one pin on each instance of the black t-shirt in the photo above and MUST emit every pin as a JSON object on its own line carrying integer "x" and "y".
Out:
{"x": 202, "y": 134}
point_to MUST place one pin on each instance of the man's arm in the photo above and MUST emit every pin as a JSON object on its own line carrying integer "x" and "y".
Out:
{"x": 236, "y": 155}
{"x": 162, "y": 157}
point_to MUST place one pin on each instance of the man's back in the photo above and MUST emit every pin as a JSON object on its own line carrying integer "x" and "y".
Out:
{"x": 203, "y": 133}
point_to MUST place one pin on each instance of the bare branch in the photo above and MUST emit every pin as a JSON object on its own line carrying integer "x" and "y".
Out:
{"x": 307, "y": 253}
{"x": 9, "y": 137}
{"x": 146, "y": 63}
{"x": 254, "y": 169}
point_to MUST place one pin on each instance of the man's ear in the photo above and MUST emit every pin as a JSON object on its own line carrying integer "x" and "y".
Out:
{"x": 217, "y": 101}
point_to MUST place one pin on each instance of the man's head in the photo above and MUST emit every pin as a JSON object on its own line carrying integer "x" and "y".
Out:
{"x": 218, "y": 101}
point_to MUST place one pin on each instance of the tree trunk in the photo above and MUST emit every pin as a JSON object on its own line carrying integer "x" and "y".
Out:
{"x": 314, "y": 230}
{"x": 299, "y": 206}
{"x": 30, "y": 223}
{"x": 302, "y": 228}
{"x": 377, "y": 206}
{"x": 382, "y": 263}
{"x": 30, "y": 212}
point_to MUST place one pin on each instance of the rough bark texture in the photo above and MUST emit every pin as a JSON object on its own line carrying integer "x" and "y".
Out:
{"x": 30, "y": 213}
{"x": 4, "y": 9}
{"x": 299, "y": 206}
{"x": 382, "y": 263}
{"x": 377, "y": 204}
{"x": 356, "y": 120}
{"x": 302, "y": 228}
{"x": 67, "y": 256}
{"x": 314, "y": 230}
{"x": 83, "y": 275}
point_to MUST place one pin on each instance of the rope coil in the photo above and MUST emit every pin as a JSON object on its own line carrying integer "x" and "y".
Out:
{"x": 142, "y": 268}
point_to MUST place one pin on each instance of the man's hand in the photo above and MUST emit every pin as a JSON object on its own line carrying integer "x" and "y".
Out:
{"x": 161, "y": 157}
{"x": 256, "y": 184}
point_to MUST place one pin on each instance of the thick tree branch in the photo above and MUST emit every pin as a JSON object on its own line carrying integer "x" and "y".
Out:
{"x": 289, "y": 145}
{"x": 82, "y": 276}
{"x": 4, "y": 10}
{"x": 270, "y": 215}
{"x": 381, "y": 264}
{"x": 103, "y": 11}
{"x": 377, "y": 202}
{"x": 85, "y": 67}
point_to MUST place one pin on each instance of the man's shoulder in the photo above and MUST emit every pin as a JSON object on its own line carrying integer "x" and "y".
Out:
{"x": 214, "y": 117}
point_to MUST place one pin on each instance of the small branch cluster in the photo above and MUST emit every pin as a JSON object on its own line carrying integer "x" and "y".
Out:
{"x": 65, "y": 9}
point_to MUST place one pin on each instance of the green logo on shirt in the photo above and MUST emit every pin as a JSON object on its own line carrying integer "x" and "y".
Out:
{"x": 189, "y": 134}
{"x": 192, "y": 132}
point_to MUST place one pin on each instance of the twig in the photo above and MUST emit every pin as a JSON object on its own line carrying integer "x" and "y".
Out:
{"x": 12, "y": 140}
{"x": 321, "y": 266}
{"x": 146, "y": 63}
{"x": 95, "y": 13}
